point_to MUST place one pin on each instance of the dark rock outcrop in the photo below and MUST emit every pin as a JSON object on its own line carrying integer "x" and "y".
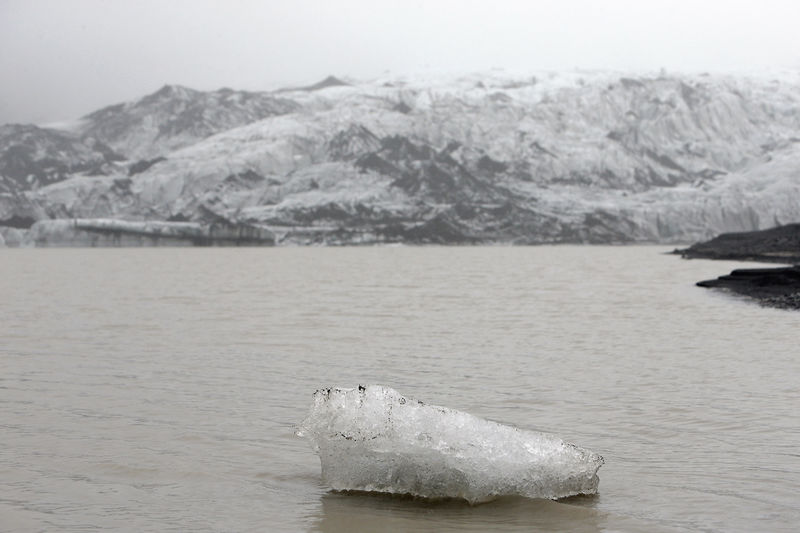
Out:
{"x": 776, "y": 245}
{"x": 772, "y": 287}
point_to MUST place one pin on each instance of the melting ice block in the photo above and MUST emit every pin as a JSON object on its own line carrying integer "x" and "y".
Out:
{"x": 374, "y": 439}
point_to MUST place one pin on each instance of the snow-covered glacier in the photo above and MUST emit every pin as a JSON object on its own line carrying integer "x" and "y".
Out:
{"x": 492, "y": 157}
{"x": 374, "y": 439}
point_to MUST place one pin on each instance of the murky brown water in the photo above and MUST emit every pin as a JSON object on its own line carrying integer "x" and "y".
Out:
{"x": 157, "y": 389}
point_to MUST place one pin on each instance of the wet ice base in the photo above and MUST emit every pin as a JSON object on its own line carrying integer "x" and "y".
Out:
{"x": 374, "y": 439}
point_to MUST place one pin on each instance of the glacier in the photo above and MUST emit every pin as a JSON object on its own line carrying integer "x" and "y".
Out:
{"x": 375, "y": 439}
{"x": 576, "y": 157}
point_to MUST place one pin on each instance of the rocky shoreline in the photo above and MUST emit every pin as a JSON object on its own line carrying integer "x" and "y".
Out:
{"x": 772, "y": 287}
{"x": 775, "y": 245}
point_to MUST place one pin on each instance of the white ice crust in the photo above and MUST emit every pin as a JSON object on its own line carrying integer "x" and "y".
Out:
{"x": 374, "y": 439}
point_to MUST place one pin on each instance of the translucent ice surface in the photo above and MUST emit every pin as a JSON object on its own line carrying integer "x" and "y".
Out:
{"x": 374, "y": 439}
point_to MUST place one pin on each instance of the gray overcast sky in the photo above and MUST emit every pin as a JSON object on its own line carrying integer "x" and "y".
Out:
{"x": 60, "y": 59}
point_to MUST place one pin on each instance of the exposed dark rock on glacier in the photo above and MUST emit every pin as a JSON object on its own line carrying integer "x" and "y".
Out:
{"x": 351, "y": 143}
{"x": 144, "y": 164}
{"x": 422, "y": 171}
{"x": 175, "y": 116}
{"x": 490, "y": 166}
{"x": 377, "y": 164}
{"x": 402, "y": 107}
{"x": 330, "y": 81}
{"x": 775, "y": 245}
{"x": 602, "y": 226}
{"x": 441, "y": 229}
{"x": 17, "y": 221}
{"x": 772, "y": 287}
{"x": 32, "y": 157}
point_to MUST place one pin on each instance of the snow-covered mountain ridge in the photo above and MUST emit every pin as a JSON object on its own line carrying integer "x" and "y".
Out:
{"x": 32, "y": 157}
{"x": 571, "y": 157}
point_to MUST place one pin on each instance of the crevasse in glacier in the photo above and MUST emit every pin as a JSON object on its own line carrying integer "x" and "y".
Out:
{"x": 374, "y": 439}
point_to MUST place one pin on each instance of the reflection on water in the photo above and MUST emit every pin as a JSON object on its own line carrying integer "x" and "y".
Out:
{"x": 370, "y": 512}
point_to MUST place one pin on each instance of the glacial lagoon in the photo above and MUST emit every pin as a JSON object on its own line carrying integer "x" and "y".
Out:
{"x": 161, "y": 389}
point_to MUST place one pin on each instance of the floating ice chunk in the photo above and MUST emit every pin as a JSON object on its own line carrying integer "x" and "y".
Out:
{"x": 374, "y": 439}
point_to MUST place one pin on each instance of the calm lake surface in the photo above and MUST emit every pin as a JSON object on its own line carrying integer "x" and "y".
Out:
{"x": 159, "y": 389}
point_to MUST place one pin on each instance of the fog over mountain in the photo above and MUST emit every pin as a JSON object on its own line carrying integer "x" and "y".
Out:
{"x": 66, "y": 59}
{"x": 553, "y": 157}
